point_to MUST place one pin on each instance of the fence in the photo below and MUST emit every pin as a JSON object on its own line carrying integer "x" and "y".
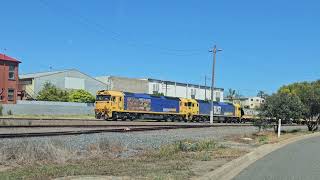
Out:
{"x": 48, "y": 108}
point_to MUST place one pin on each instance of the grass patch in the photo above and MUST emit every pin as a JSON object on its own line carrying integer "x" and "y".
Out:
{"x": 52, "y": 159}
{"x": 262, "y": 139}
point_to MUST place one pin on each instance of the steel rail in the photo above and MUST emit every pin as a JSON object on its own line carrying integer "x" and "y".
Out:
{"x": 127, "y": 129}
{"x": 115, "y": 125}
{"x": 119, "y": 130}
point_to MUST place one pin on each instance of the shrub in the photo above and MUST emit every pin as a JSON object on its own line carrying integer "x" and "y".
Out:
{"x": 81, "y": 96}
{"x": 49, "y": 92}
{"x": 262, "y": 124}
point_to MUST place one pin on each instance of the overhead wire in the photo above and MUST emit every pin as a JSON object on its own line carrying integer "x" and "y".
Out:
{"x": 117, "y": 36}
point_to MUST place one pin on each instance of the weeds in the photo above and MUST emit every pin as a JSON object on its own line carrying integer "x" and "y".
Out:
{"x": 187, "y": 146}
{"x": 204, "y": 156}
{"x": 263, "y": 139}
{"x": 50, "y": 159}
{"x": 33, "y": 152}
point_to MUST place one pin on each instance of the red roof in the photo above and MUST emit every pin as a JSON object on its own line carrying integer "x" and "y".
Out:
{"x": 4, "y": 57}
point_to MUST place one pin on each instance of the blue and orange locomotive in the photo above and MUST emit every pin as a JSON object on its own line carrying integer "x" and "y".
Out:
{"x": 114, "y": 105}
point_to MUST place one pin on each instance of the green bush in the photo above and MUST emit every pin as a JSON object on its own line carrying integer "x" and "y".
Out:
{"x": 262, "y": 124}
{"x": 50, "y": 92}
{"x": 81, "y": 96}
{"x": 157, "y": 94}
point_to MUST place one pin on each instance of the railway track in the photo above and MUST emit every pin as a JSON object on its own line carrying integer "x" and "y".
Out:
{"x": 116, "y": 128}
{"x": 119, "y": 130}
{"x": 118, "y": 125}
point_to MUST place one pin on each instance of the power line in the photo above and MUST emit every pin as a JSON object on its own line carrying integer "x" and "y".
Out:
{"x": 117, "y": 36}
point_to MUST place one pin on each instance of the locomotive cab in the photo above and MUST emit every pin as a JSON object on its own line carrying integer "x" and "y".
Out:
{"x": 189, "y": 107}
{"x": 107, "y": 102}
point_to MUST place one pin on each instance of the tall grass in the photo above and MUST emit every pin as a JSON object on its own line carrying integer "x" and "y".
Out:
{"x": 175, "y": 150}
{"x": 24, "y": 152}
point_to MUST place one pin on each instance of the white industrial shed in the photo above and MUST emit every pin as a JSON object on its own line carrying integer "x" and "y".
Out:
{"x": 71, "y": 79}
{"x": 168, "y": 88}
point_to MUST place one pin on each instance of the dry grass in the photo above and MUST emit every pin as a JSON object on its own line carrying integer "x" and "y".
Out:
{"x": 265, "y": 137}
{"x": 38, "y": 160}
{"x": 27, "y": 152}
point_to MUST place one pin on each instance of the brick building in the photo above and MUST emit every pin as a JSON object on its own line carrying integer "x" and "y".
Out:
{"x": 9, "y": 79}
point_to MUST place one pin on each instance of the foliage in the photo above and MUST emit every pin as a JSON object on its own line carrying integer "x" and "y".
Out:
{"x": 263, "y": 139}
{"x": 1, "y": 109}
{"x": 309, "y": 94}
{"x": 232, "y": 94}
{"x": 81, "y": 96}
{"x": 50, "y": 92}
{"x": 158, "y": 94}
{"x": 283, "y": 106}
{"x": 261, "y": 123}
{"x": 262, "y": 94}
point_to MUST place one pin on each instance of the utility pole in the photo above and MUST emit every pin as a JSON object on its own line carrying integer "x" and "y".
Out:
{"x": 214, "y": 52}
{"x": 205, "y": 87}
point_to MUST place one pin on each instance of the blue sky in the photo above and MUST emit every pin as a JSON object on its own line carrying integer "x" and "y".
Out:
{"x": 265, "y": 43}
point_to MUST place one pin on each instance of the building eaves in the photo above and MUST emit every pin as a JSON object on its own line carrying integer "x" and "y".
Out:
{"x": 39, "y": 74}
{"x": 182, "y": 84}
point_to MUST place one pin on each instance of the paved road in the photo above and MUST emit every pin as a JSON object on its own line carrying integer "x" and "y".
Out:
{"x": 297, "y": 161}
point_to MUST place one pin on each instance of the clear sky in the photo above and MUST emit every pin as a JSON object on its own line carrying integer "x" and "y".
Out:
{"x": 265, "y": 43}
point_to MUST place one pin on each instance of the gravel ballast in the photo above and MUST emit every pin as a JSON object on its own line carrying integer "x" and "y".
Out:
{"x": 135, "y": 141}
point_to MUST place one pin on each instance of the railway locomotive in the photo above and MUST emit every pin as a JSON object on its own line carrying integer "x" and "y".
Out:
{"x": 114, "y": 105}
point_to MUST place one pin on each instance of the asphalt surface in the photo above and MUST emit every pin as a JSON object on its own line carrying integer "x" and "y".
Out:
{"x": 297, "y": 161}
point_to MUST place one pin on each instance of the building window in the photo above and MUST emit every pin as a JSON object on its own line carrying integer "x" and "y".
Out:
{"x": 11, "y": 95}
{"x": 1, "y": 94}
{"x": 193, "y": 93}
{"x": 155, "y": 88}
{"x": 11, "y": 72}
{"x": 251, "y": 99}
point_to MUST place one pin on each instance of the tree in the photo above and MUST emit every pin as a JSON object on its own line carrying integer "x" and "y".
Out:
{"x": 231, "y": 94}
{"x": 283, "y": 106}
{"x": 309, "y": 94}
{"x": 262, "y": 94}
{"x": 81, "y": 96}
{"x": 49, "y": 92}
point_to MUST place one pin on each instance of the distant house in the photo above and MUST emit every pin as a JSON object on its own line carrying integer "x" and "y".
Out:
{"x": 125, "y": 84}
{"x": 9, "y": 68}
{"x": 247, "y": 102}
{"x": 253, "y": 102}
{"x": 65, "y": 79}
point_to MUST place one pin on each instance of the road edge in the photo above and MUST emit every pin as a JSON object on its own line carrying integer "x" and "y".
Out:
{"x": 234, "y": 167}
